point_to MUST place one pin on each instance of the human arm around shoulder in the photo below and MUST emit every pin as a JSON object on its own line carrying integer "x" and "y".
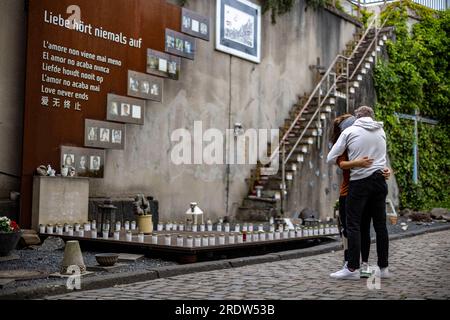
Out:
{"x": 357, "y": 163}
{"x": 338, "y": 148}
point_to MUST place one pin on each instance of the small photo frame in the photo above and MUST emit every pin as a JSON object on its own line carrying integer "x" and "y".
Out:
{"x": 86, "y": 162}
{"x": 109, "y": 133}
{"x": 148, "y": 87}
{"x": 163, "y": 65}
{"x": 195, "y": 24}
{"x": 125, "y": 109}
{"x": 180, "y": 44}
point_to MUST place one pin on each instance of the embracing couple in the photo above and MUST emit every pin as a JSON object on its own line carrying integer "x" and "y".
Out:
{"x": 360, "y": 150}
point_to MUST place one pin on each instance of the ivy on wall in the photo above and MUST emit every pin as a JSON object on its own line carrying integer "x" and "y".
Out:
{"x": 417, "y": 76}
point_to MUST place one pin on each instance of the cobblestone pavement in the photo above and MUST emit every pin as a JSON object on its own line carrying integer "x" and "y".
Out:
{"x": 421, "y": 266}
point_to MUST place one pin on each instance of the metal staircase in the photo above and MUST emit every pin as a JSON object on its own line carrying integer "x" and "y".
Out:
{"x": 268, "y": 192}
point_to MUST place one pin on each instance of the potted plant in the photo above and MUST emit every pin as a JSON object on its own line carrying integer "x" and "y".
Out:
{"x": 9, "y": 236}
{"x": 141, "y": 207}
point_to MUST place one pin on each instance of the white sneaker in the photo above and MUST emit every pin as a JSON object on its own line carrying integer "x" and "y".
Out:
{"x": 366, "y": 270}
{"x": 345, "y": 274}
{"x": 383, "y": 273}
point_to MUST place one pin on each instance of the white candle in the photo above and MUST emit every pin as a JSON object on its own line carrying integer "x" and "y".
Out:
{"x": 292, "y": 234}
{"x": 189, "y": 242}
{"x": 285, "y": 234}
{"x": 133, "y": 225}
{"x": 277, "y": 235}
{"x": 87, "y": 227}
{"x": 244, "y": 228}
{"x": 231, "y": 239}
{"x": 299, "y": 232}
{"x": 198, "y": 241}
{"x": 41, "y": 228}
{"x": 181, "y": 227}
{"x": 154, "y": 238}
{"x": 129, "y": 236}
{"x": 93, "y": 225}
{"x": 219, "y": 227}
{"x": 255, "y": 236}
{"x": 94, "y": 233}
{"x": 50, "y": 229}
{"x": 261, "y": 227}
{"x": 168, "y": 226}
{"x": 141, "y": 237}
{"x": 270, "y": 236}
{"x": 227, "y": 227}
{"x": 194, "y": 228}
{"x": 167, "y": 240}
{"x": 222, "y": 239}
{"x": 77, "y": 227}
{"x": 250, "y": 227}
{"x": 59, "y": 230}
{"x": 66, "y": 227}
{"x": 237, "y": 228}
{"x": 272, "y": 228}
{"x": 117, "y": 235}
{"x": 118, "y": 226}
{"x": 212, "y": 240}
{"x": 70, "y": 231}
{"x": 262, "y": 236}
{"x": 160, "y": 227}
{"x": 205, "y": 241}
{"x": 127, "y": 225}
{"x": 174, "y": 227}
{"x": 81, "y": 232}
{"x": 248, "y": 237}
{"x": 202, "y": 228}
{"x": 105, "y": 234}
{"x": 240, "y": 238}
{"x": 180, "y": 241}
{"x": 210, "y": 227}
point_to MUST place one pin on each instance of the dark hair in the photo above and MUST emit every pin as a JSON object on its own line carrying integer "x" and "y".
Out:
{"x": 336, "y": 129}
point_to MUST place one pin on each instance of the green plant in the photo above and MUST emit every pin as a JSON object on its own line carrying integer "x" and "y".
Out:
{"x": 417, "y": 77}
{"x": 8, "y": 226}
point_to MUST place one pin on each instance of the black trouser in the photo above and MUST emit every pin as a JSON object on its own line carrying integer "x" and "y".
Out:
{"x": 367, "y": 198}
{"x": 365, "y": 230}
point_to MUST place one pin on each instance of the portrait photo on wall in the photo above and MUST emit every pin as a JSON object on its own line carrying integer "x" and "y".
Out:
{"x": 238, "y": 29}
{"x": 163, "y": 64}
{"x": 195, "y": 24}
{"x": 144, "y": 86}
{"x": 180, "y": 44}
{"x": 110, "y": 134}
{"x": 86, "y": 162}
{"x": 125, "y": 109}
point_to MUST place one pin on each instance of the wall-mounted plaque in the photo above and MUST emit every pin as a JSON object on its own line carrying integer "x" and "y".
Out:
{"x": 144, "y": 86}
{"x": 238, "y": 29}
{"x": 180, "y": 44}
{"x": 106, "y": 135}
{"x": 195, "y": 24}
{"x": 118, "y": 107}
{"x": 86, "y": 162}
{"x": 163, "y": 64}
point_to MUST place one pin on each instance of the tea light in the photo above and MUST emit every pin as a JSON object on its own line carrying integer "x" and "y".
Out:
{"x": 255, "y": 236}
{"x": 240, "y": 238}
{"x": 81, "y": 232}
{"x": 70, "y": 231}
{"x": 160, "y": 227}
{"x": 205, "y": 240}
{"x": 270, "y": 236}
{"x": 59, "y": 230}
{"x": 87, "y": 226}
{"x": 93, "y": 225}
{"x": 194, "y": 228}
{"x": 93, "y": 233}
{"x": 222, "y": 239}
{"x": 316, "y": 231}
{"x": 118, "y": 226}
{"x": 202, "y": 228}
{"x": 244, "y": 228}
{"x": 77, "y": 227}
{"x": 106, "y": 226}
{"x": 117, "y": 235}
{"x": 310, "y": 231}
{"x": 277, "y": 235}
{"x": 141, "y": 237}
{"x": 291, "y": 233}
{"x": 237, "y": 228}
{"x": 50, "y": 229}
{"x": 227, "y": 227}
{"x": 212, "y": 240}
{"x": 41, "y": 228}
{"x": 175, "y": 226}
{"x": 168, "y": 226}
{"x": 167, "y": 240}
{"x": 247, "y": 237}
{"x": 181, "y": 227}
{"x": 299, "y": 232}
{"x": 133, "y": 225}
{"x": 105, "y": 234}
{"x": 154, "y": 238}
{"x": 66, "y": 227}
{"x": 126, "y": 225}
{"x": 189, "y": 242}
{"x": 129, "y": 236}
{"x": 272, "y": 228}
{"x": 285, "y": 234}
{"x": 180, "y": 241}
{"x": 219, "y": 227}
{"x": 231, "y": 239}
{"x": 261, "y": 227}
{"x": 250, "y": 227}
{"x": 198, "y": 241}
{"x": 210, "y": 227}
{"x": 262, "y": 236}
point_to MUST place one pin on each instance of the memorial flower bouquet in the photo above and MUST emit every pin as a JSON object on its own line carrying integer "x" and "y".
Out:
{"x": 8, "y": 226}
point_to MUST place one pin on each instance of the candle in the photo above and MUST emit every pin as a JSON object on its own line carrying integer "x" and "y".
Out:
{"x": 167, "y": 240}
{"x": 194, "y": 228}
{"x": 41, "y": 228}
{"x": 277, "y": 235}
{"x": 261, "y": 227}
{"x": 106, "y": 226}
{"x": 310, "y": 231}
{"x": 222, "y": 239}
{"x": 70, "y": 231}
{"x": 168, "y": 226}
{"x": 127, "y": 225}
{"x": 81, "y": 232}
{"x": 66, "y": 227}
{"x": 262, "y": 236}
{"x": 299, "y": 232}
{"x": 227, "y": 227}
{"x": 255, "y": 236}
{"x": 180, "y": 241}
{"x": 87, "y": 227}
{"x": 240, "y": 238}
{"x": 154, "y": 238}
{"x": 141, "y": 237}
{"x": 270, "y": 236}
{"x": 59, "y": 230}
{"x": 105, "y": 234}
{"x": 93, "y": 233}
{"x": 174, "y": 226}
{"x": 321, "y": 231}
{"x": 93, "y": 225}
{"x": 50, "y": 229}
{"x": 198, "y": 241}
{"x": 231, "y": 239}
{"x": 250, "y": 227}
{"x": 219, "y": 227}
{"x": 181, "y": 227}
{"x": 237, "y": 228}
{"x": 212, "y": 240}
{"x": 210, "y": 227}
{"x": 285, "y": 234}
{"x": 189, "y": 242}
{"x": 291, "y": 233}
{"x": 129, "y": 236}
{"x": 272, "y": 228}
{"x": 202, "y": 228}
{"x": 133, "y": 225}
{"x": 244, "y": 227}
{"x": 77, "y": 227}
{"x": 118, "y": 226}
{"x": 117, "y": 235}
{"x": 205, "y": 241}
{"x": 247, "y": 237}
{"x": 160, "y": 227}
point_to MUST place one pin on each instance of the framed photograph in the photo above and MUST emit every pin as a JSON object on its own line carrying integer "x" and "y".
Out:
{"x": 238, "y": 29}
{"x": 195, "y": 24}
{"x": 180, "y": 44}
{"x": 163, "y": 64}
{"x": 110, "y": 135}
{"x": 144, "y": 86}
{"x": 86, "y": 162}
{"x": 125, "y": 110}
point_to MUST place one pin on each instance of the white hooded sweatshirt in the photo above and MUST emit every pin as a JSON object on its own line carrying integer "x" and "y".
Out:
{"x": 366, "y": 138}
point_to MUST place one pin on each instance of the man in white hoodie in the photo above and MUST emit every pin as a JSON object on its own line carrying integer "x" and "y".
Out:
{"x": 367, "y": 189}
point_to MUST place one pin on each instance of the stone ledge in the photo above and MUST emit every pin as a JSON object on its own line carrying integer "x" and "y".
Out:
{"x": 246, "y": 261}
{"x": 344, "y": 16}
{"x": 171, "y": 271}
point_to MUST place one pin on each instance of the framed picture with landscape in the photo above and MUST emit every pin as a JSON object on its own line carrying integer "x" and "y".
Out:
{"x": 238, "y": 29}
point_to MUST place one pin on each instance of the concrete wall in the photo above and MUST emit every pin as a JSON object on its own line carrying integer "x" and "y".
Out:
{"x": 12, "y": 77}
{"x": 219, "y": 90}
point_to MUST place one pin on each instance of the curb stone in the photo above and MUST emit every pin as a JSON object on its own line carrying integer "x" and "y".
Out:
{"x": 111, "y": 280}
